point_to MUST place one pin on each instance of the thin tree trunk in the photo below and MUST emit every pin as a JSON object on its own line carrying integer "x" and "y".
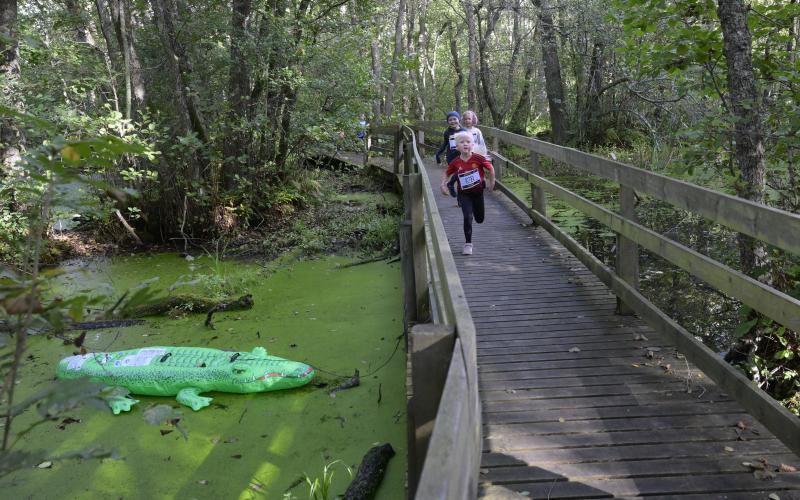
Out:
{"x": 748, "y": 129}
{"x": 593, "y": 132}
{"x": 552, "y": 73}
{"x": 111, "y": 59}
{"x": 486, "y": 74}
{"x": 398, "y": 47}
{"x": 519, "y": 119}
{"x": 235, "y": 145}
{"x": 165, "y": 12}
{"x": 11, "y": 139}
{"x": 377, "y": 109}
{"x": 472, "y": 55}
{"x": 458, "y": 87}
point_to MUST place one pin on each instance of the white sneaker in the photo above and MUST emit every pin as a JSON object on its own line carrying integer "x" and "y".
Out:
{"x": 467, "y": 249}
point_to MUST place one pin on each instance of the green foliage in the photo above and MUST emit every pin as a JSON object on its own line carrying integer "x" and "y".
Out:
{"x": 319, "y": 487}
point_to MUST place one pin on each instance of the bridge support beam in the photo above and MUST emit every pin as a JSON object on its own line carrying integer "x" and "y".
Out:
{"x": 538, "y": 200}
{"x": 627, "y": 249}
{"x": 430, "y": 350}
{"x": 413, "y": 253}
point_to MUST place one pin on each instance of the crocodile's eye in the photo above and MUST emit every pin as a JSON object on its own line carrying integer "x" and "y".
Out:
{"x": 238, "y": 370}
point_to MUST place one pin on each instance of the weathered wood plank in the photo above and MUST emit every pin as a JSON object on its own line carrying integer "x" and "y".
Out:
{"x": 695, "y": 483}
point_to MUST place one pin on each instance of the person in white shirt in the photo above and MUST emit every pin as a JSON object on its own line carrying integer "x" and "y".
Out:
{"x": 469, "y": 119}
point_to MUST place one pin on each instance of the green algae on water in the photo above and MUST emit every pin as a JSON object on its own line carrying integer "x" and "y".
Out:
{"x": 242, "y": 446}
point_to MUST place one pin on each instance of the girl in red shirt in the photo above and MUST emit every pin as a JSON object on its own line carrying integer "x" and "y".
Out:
{"x": 470, "y": 171}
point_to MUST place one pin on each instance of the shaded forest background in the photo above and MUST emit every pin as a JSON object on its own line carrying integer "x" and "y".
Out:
{"x": 194, "y": 119}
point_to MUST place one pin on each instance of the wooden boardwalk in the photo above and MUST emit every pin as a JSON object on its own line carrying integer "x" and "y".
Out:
{"x": 579, "y": 402}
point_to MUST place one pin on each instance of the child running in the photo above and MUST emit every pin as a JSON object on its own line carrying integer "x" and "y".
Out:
{"x": 449, "y": 143}
{"x": 470, "y": 169}
{"x": 470, "y": 119}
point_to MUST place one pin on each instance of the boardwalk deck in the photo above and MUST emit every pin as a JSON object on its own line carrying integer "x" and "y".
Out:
{"x": 579, "y": 402}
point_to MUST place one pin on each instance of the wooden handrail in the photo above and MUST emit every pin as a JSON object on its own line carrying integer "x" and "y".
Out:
{"x": 771, "y": 225}
{"x": 452, "y": 461}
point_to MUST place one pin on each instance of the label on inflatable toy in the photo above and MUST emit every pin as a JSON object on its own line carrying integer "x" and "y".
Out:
{"x": 141, "y": 358}
{"x": 75, "y": 362}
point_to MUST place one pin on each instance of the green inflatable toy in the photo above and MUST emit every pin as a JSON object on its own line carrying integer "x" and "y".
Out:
{"x": 185, "y": 372}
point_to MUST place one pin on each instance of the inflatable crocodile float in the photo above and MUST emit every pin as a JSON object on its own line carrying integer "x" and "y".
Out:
{"x": 185, "y": 372}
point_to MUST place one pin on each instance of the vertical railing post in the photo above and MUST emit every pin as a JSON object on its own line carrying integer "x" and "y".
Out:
{"x": 407, "y": 257}
{"x": 418, "y": 247}
{"x": 430, "y": 348}
{"x": 367, "y": 145}
{"x": 398, "y": 149}
{"x": 408, "y": 157}
{"x": 627, "y": 249}
{"x": 420, "y": 142}
{"x": 538, "y": 201}
{"x": 499, "y": 170}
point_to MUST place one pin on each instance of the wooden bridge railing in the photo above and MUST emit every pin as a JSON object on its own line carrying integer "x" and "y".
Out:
{"x": 452, "y": 455}
{"x": 444, "y": 411}
{"x": 772, "y": 226}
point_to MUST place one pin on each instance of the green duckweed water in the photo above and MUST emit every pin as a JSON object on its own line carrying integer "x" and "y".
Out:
{"x": 243, "y": 446}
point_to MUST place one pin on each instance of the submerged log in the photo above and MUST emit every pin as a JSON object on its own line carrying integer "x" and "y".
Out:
{"x": 191, "y": 304}
{"x": 370, "y": 473}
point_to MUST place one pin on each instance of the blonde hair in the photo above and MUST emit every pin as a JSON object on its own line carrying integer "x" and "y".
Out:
{"x": 472, "y": 114}
{"x": 462, "y": 135}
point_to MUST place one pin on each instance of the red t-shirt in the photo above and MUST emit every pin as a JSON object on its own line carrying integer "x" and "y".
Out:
{"x": 468, "y": 181}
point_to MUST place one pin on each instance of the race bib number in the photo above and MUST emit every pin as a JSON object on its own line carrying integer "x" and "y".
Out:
{"x": 469, "y": 180}
{"x": 452, "y": 142}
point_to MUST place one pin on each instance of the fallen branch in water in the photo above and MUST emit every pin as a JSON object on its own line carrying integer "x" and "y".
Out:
{"x": 190, "y": 304}
{"x": 365, "y": 261}
{"x": 370, "y": 473}
{"x": 353, "y": 381}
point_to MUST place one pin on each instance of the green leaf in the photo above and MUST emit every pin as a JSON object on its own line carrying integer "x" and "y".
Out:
{"x": 745, "y": 327}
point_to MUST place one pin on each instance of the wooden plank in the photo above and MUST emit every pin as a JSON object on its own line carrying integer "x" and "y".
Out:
{"x": 627, "y": 389}
{"x": 451, "y": 469}
{"x": 566, "y": 382}
{"x": 614, "y": 412}
{"x": 604, "y": 426}
{"x": 600, "y": 401}
{"x": 709, "y": 435}
{"x": 673, "y": 451}
{"x": 696, "y": 483}
{"x": 645, "y": 468}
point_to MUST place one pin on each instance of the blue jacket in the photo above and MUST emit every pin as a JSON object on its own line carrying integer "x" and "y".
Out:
{"x": 448, "y": 144}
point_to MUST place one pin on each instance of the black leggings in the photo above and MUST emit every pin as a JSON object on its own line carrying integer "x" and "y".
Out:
{"x": 471, "y": 206}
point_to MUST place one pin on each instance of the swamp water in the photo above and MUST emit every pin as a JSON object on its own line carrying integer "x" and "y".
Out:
{"x": 334, "y": 318}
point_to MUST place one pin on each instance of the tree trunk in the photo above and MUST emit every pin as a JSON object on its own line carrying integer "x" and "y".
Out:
{"x": 235, "y": 145}
{"x": 377, "y": 109}
{"x": 519, "y": 119}
{"x": 111, "y": 53}
{"x": 552, "y": 74}
{"x": 165, "y": 12}
{"x": 11, "y": 140}
{"x": 398, "y": 48}
{"x": 592, "y": 131}
{"x": 134, "y": 81}
{"x": 748, "y": 130}
{"x": 486, "y": 74}
{"x": 457, "y": 88}
{"x": 472, "y": 55}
